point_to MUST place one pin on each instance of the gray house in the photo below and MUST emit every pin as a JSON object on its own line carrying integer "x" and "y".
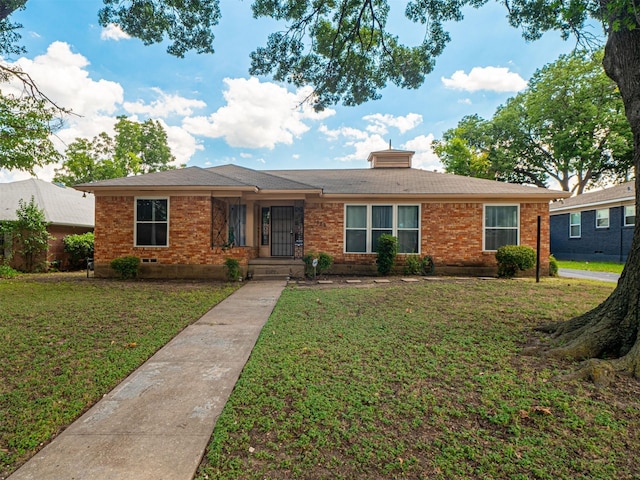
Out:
{"x": 67, "y": 211}
{"x": 594, "y": 226}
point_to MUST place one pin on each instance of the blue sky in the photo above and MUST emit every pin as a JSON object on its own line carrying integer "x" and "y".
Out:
{"x": 215, "y": 113}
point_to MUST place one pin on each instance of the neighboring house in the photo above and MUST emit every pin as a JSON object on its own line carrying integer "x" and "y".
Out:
{"x": 186, "y": 222}
{"x": 595, "y": 225}
{"x": 67, "y": 211}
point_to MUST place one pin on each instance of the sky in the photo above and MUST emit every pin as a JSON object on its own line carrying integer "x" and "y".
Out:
{"x": 215, "y": 113}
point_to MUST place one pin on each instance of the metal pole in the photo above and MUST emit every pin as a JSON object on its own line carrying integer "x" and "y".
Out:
{"x": 538, "y": 252}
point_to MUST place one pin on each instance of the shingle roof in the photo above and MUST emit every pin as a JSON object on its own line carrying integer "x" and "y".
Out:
{"x": 62, "y": 206}
{"x": 406, "y": 181}
{"x": 181, "y": 177}
{"x": 369, "y": 181}
{"x": 625, "y": 192}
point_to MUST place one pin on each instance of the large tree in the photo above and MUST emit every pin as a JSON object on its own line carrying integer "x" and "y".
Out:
{"x": 568, "y": 127}
{"x": 344, "y": 50}
{"x": 136, "y": 149}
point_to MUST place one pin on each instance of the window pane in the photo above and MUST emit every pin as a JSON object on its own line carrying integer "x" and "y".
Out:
{"x": 630, "y": 215}
{"x": 602, "y": 218}
{"x": 356, "y": 241}
{"x": 356, "y": 216}
{"x": 575, "y": 219}
{"x": 408, "y": 216}
{"x": 501, "y": 216}
{"x": 496, "y": 238}
{"x": 152, "y": 234}
{"x": 151, "y": 210}
{"x": 408, "y": 241}
{"x": 574, "y": 231}
{"x": 237, "y": 224}
{"x": 381, "y": 216}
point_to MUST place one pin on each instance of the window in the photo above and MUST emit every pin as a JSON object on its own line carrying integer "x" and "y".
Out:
{"x": 356, "y": 229}
{"x": 152, "y": 222}
{"x": 266, "y": 217}
{"x": 501, "y": 226}
{"x": 575, "y": 225}
{"x": 629, "y": 215}
{"x": 237, "y": 225}
{"x": 364, "y": 224}
{"x": 602, "y": 218}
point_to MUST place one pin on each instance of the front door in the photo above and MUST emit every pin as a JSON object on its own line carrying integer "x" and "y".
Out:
{"x": 282, "y": 228}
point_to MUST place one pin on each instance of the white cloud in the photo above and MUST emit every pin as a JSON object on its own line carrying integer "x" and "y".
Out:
{"x": 257, "y": 115}
{"x": 348, "y": 132}
{"x": 496, "y": 79}
{"x": 62, "y": 76}
{"x": 379, "y": 122}
{"x": 182, "y": 144}
{"x": 424, "y": 157}
{"x": 113, "y": 32}
{"x": 165, "y": 105}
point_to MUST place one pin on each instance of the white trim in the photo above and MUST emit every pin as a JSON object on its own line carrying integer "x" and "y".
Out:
{"x": 369, "y": 229}
{"x": 484, "y": 222}
{"x": 135, "y": 220}
{"x": 585, "y": 206}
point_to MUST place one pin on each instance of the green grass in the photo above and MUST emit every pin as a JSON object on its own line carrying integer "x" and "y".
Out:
{"x": 65, "y": 341}
{"x": 592, "y": 266}
{"x": 422, "y": 381}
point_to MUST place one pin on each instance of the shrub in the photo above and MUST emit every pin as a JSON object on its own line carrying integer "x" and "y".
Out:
{"x": 30, "y": 232}
{"x": 412, "y": 265}
{"x": 427, "y": 265}
{"x": 232, "y": 267}
{"x": 7, "y": 272}
{"x": 553, "y": 266}
{"x": 387, "y": 251}
{"x": 512, "y": 258}
{"x": 80, "y": 247}
{"x": 324, "y": 263}
{"x": 126, "y": 267}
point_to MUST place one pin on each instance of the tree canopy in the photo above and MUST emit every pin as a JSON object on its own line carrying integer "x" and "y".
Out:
{"x": 137, "y": 148}
{"x": 568, "y": 126}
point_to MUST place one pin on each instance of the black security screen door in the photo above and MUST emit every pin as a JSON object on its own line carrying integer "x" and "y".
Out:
{"x": 282, "y": 231}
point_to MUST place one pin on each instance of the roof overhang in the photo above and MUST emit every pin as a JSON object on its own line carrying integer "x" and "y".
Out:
{"x": 592, "y": 205}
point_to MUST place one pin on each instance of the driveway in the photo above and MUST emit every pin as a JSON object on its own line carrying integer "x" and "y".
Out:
{"x": 587, "y": 275}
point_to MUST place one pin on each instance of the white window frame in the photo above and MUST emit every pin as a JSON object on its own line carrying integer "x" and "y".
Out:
{"x": 135, "y": 221}
{"x": 578, "y": 224}
{"x": 484, "y": 223}
{"x": 624, "y": 213}
{"x": 602, "y": 218}
{"x": 369, "y": 226}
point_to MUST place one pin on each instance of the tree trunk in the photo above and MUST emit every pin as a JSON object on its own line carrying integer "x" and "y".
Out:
{"x": 612, "y": 330}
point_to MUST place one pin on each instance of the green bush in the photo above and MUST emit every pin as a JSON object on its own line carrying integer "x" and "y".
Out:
{"x": 233, "y": 271}
{"x": 512, "y": 258}
{"x": 412, "y": 265}
{"x": 553, "y": 266}
{"x": 324, "y": 263}
{"x": 427, "y": 265}
{"x": 126, "y": 267}
{"x": 7, "y": 272}
{"x": 79, "y": 247}
{"x": 387, "y": 251}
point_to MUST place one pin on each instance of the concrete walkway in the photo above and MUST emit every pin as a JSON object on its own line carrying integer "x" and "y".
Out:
{"x": 587, "y": 275}
{"x": 157, "y": 423}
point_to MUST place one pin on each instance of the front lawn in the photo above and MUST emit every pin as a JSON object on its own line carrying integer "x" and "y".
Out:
{"x": 422, "y": 381}
{"x": 609, "y": 267}
{"x": 67, "y": 340}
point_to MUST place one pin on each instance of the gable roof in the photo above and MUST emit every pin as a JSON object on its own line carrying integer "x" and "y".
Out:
{"x": 622, "y": 193}
{"x": 408, "y": 182}
{"x": 61, "y": 205}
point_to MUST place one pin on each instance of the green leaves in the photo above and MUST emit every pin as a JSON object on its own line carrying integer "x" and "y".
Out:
{"x": 568, "y": 126}
{"x": 188, "y": 24}
{"x": 136, "y": 149}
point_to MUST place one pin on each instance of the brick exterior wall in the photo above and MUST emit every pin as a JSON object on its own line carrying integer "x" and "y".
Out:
{"x": 452, "y": 233}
